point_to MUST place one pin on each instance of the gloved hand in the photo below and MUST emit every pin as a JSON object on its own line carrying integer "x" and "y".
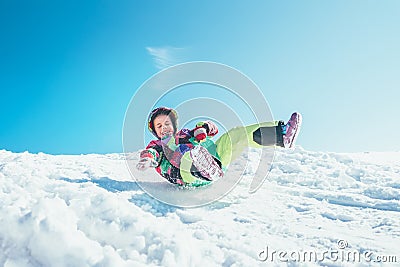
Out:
{"x": 145, "y": 163}
{"x": 200, "y": 133}
{"x": 212, "y": 128}
{"x": 204, "y": 129}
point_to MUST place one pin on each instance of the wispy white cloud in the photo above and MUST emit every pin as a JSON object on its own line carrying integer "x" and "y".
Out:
{"x": 166, "y": 56}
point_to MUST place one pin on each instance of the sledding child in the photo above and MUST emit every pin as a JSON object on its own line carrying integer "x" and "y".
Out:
{"x": 191, "y": 158}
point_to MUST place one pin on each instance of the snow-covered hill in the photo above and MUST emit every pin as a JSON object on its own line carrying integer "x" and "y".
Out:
{"x": 87, "y": 211}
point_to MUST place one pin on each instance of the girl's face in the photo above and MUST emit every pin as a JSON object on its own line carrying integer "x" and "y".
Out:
{"x": 163, "y": 126}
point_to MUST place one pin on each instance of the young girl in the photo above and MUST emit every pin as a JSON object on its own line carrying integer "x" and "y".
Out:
{"x": 191, "y": 158}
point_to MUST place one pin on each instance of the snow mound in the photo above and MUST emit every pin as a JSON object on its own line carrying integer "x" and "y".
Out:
{"x": 87, "y": 211}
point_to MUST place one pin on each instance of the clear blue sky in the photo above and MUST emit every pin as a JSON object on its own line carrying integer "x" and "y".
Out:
{"x": 68, "y": 69}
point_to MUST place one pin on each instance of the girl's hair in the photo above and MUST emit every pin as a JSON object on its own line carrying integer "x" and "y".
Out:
{"x": 162, "y": 111}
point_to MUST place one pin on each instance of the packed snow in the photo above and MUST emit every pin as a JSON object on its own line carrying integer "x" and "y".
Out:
{"x": 314, "y": 208}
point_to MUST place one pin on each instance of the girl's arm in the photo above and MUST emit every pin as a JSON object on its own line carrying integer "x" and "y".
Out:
{"x": 149, "y": 157}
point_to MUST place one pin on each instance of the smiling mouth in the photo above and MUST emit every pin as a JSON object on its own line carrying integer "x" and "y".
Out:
{"x": 166, "y": 133}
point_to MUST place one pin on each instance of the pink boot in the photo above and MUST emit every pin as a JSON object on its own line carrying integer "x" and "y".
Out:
{"x": 291, "y": 130}
{"x": 205, "y": 164}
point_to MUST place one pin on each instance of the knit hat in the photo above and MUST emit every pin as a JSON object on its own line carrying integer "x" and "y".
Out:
{"x": 162, "y": 111}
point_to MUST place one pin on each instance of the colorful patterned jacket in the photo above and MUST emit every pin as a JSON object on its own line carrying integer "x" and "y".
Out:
{"x": 169, "y": 152}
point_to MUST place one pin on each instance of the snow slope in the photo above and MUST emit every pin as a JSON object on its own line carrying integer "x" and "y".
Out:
{"x": 87, "y": 211}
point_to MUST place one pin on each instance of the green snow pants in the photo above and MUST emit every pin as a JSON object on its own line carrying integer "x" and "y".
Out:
{"x": 231, "y": 144}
